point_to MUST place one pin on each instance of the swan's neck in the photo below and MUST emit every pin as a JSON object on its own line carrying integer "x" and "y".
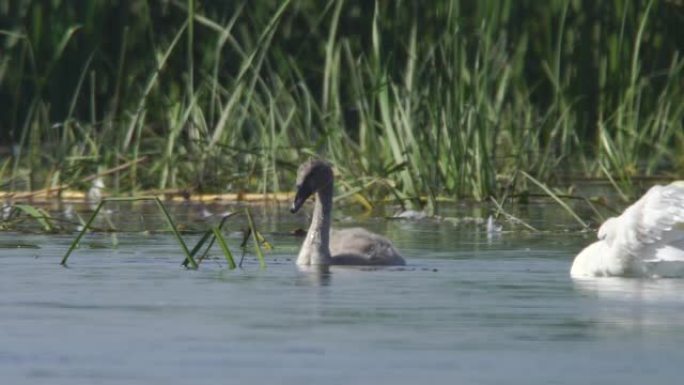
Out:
{"x": 316, "y": 247}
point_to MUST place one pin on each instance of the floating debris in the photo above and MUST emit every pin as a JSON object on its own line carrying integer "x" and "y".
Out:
{"x": 94, "y": 195}
{"x": 69, "y": 211}
{"x": 206, "y": 213}
{"x": 6, "y": 211}
{"x": 410, "y": 214}
{"x": 463, "y": 221}
{"x": 493, "y": 227}
{"x": 18, "y": 245}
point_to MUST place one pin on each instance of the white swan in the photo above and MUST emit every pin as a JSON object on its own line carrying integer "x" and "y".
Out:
{"x": 646, "y": 240}
{"x": 355, "y": 246}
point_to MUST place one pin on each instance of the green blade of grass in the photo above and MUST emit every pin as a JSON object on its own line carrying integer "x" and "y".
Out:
{"x": 556, "y": 198}
{"x": 511, "y": 217}
{"x": 188, "y": 256}
{"x": 224, "y": 247}
{"x": 197, "y": 248}
{"x": 257, "y": 247}
{"x": 85, "y": 228}
{"x": 172, "y": 224}
{"x": 205, "y": 237}
{"x": 149, "y": 86}
{"x": 40, "y": 215}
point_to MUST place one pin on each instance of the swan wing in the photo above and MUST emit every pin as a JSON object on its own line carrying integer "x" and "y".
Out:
{"x": 654, "y": 221}
{"x": 360, "y": 241}
{"x": 358, "y": 246}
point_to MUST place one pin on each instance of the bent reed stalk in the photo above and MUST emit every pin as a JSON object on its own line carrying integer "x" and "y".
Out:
{"x": 167, "y": 216}
{"x": 214, "y": 233}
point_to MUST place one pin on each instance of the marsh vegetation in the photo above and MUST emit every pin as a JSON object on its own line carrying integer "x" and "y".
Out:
{"x": 411, "y": 103}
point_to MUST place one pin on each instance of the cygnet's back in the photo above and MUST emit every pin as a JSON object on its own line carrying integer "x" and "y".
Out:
{"x": 358, "y": 246}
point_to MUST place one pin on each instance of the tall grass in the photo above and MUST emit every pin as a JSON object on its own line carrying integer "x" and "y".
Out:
{"x": 410, "y": 102}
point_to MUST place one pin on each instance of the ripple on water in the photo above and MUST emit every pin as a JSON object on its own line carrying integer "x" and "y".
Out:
{"x": 464, "y": 310}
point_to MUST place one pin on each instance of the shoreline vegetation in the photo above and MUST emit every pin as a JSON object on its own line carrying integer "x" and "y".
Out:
{"x": 173, "y": 195}
{"x": 415, "y": 104}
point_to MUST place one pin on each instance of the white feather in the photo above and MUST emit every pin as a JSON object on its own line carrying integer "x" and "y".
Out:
{"x": 646, "y": 240}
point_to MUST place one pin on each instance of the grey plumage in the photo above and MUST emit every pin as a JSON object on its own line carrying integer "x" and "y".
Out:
{"x": 323, "y": 246}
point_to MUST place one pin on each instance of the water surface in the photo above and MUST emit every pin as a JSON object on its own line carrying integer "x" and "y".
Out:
{"x": 466, "y": 310}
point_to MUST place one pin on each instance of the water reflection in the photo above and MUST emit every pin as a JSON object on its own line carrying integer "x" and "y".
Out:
{"x": 466, "y": 303}
{"x": 623, "y": 305}
{"x": 314, "y": 275}
{"x": 630, "y": 289}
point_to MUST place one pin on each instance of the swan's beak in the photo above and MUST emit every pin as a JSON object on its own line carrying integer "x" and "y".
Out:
{"x": 295, "y": 206}
{"x": 301, "y": 196}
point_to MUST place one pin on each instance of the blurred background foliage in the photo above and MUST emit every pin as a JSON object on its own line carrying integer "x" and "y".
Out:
{"x": 409, "y": 99}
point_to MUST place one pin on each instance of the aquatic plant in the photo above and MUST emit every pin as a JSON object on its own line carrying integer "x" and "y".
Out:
{"x": 11, "y": 214}
{"x": 411, "y": 103}
{"x": 212, "y": 235}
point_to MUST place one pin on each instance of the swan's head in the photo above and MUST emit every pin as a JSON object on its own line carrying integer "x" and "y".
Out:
{"x": 311, "y": 177}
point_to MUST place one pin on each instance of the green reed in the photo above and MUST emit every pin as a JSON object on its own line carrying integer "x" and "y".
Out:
{"x": 214, "y": 234}
{"x": 167, "y": 216}
{"x": 411, "y": 103}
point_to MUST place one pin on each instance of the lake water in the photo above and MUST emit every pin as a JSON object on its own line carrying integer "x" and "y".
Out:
{"x": 466, "y": 310}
